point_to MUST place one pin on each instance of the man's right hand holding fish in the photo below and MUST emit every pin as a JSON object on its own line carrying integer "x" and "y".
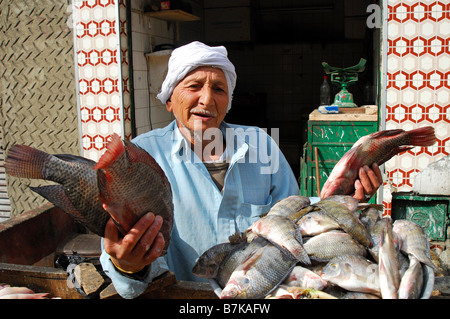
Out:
{"x": 141, "y": 246}
{"x": 368, "y": 183}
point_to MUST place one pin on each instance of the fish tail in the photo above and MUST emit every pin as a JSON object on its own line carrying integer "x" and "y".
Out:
{"x": 25, "y": 161}
{"x": 423, "y": 136}
{"x": 114, "y": 148}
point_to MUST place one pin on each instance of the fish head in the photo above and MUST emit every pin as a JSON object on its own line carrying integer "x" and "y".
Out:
{"x": 332, "y": 270}
{"x": 308, "y": 223}
{"x": 205, "y": 267}
{"x": 314, "y": 281}
{"x": 337, "y": 271}
{"x": 236, "y": 287}
{"x": 208, "y": 264}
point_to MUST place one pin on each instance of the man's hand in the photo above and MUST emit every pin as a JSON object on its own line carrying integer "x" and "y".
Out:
{"x": 368, "y": 183}
{"x": 141, "y": 246}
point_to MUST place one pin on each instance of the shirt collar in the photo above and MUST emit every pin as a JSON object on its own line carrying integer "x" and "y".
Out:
{"x": 235, "y": 150}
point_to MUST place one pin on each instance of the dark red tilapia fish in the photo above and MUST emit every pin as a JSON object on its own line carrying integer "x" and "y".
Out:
{"x": 126, "y": 179}
{"x": 131, "y": 184}
{"x": 378, "y": 148}
{"x": 76, "y": 192}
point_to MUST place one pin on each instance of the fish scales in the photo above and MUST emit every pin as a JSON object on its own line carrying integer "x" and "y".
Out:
{"x": 208, "y": 264}
{"x": 347, "y": 220}
{"x": 289, "y": 205}
{"x": 126, "y": 179}
{"x": 353, "y": 273}
{"x": 329, "y": 245}
{"x": 77, "y": 192}
{"x": 388, "y": 263}
{"x": 131, "y": 184}
{"x": 377, "y": 148}
{"x": 315, "y": 223}
{"x": 411, "y": 283}
{"x": 258, "y": 275}
{"x": 414, "y": 241}
{"x": 282, "y": 232}
{"x": 237, "y": 257}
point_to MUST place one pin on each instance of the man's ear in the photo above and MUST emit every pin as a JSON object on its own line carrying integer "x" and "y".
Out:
{"x": 169, "y": 105}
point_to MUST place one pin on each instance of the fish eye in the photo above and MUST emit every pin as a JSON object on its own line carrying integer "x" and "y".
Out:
{"x": 244, "y": 281}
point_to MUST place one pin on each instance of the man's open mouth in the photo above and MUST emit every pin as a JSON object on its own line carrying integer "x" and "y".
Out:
{"x": 203, "y": 113}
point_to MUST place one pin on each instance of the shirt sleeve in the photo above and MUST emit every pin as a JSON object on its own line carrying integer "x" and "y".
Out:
{"x": 127, "y": 287}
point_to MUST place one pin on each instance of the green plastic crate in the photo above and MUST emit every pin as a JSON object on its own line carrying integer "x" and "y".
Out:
{"x": 430, "y": 212}
{"x": 332, "y": 139}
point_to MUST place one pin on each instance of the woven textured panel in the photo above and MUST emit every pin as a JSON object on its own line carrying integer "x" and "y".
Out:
{"x": 37, "y": 81}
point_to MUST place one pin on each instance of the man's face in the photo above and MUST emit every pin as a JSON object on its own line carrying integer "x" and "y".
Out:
{"x": 200, "y": 100}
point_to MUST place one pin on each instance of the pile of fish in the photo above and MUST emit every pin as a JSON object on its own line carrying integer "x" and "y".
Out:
{"x": 335, "y": 248}
{"x": 299, "y": 249}
{"x": 125, "y": 184}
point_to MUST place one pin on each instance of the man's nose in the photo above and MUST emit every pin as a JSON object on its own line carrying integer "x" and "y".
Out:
{"x": 206, "y": 97}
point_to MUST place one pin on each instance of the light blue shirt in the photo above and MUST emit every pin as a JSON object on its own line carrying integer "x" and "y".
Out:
{"x": 258, "y": 176}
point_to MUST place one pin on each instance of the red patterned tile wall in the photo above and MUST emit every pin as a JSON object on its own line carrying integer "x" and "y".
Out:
{"x": 102, "y": 70}
{"x": 418, "y": 85}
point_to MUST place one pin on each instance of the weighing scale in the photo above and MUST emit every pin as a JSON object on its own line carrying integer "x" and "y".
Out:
{"x": 344, "y": 77}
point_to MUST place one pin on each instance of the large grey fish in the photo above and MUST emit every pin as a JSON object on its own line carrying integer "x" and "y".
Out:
{"x": 414, "y": 241}
{"x": 315, "y": 223}
{"x": 283, "y": 233}
{"x": 388, "y": 263}
{"x": 353, "y": 273}
{"x": 411, "y": 283}
{"x": 377, "y": 148}
{"x": 259, "y": 274}
{"x": 329, "y": 245}
{"x": 347, "y": 220}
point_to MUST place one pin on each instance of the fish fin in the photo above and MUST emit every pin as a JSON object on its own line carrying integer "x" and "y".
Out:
{"x": 320, "y": 260}
{"x": 138, "y": 154}
{"x": 423, "y": 136}
{"x": 393, "y": 152}
{"x": 56, "y": 195}
{"x": 379, "y": 207}
{"x": 75, "y": 159}
{"x": 135, "y": 152}
{"x": 427, "y": 261}
{"x": 251, "y": 259}
{"x": 26, "y": 161}
{"x": 114, "y": 148}
{"x": 122, "y": 216}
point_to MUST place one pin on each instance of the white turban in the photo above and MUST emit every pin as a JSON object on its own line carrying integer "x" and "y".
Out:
{"x": 191, "y": 56}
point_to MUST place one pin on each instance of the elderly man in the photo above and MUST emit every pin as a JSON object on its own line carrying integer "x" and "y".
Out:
{"x": 223, "y": 176}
